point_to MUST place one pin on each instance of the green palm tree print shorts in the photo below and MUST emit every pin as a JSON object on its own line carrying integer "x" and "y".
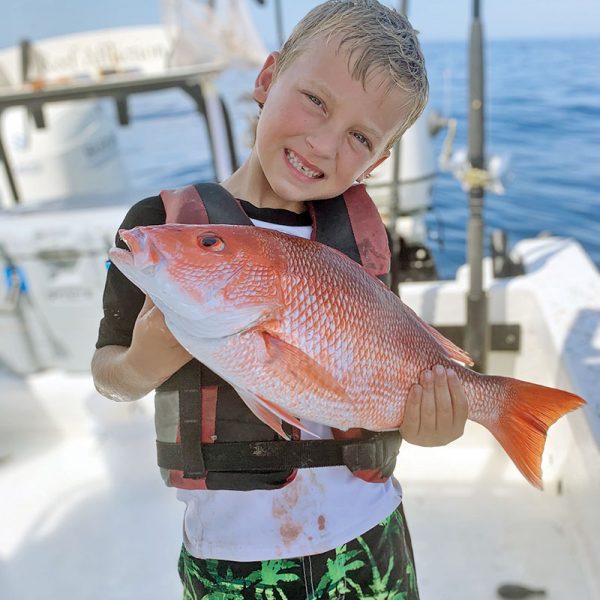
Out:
{"x": 376, "y": 565}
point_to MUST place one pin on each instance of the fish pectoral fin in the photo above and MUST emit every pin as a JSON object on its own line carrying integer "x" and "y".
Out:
{"x": 286, "y": 416}
{"x": 297, "y": 365}
{"x": 271, "y": 414}
{"x": 261, "y": 412}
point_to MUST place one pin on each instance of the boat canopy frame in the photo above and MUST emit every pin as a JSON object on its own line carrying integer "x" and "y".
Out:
{"x": 197, "y": 82}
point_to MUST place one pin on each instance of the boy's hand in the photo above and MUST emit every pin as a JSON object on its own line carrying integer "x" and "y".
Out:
{"x": 154, "y": 353}
{"x": 436, "y": 409}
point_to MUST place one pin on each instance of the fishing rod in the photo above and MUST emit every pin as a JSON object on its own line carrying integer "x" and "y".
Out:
{"x": 395, "y": 200}
{"x": 279, "y": 22}
{"x": 476, "y": 334}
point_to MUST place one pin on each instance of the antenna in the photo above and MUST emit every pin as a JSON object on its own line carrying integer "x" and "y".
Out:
{"x": 279, "y": 23}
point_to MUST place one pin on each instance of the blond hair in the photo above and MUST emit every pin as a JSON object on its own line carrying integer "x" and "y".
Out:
{"x": 377, "y": 39}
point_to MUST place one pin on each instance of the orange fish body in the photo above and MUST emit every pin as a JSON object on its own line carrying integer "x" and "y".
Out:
{"x": 303, "y": 332}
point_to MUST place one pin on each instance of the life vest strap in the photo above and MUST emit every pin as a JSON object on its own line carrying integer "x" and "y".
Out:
{"x": 190, "y": 426}
{"x": 356, "y": 454}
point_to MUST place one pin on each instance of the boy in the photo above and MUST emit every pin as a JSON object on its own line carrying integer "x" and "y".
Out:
{"x": 345, "y": 86}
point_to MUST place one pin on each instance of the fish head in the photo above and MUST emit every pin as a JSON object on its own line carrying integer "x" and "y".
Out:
{"x": 200, "y": 272}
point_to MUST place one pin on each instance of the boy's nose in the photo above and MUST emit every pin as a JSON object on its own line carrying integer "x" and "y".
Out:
{"x": 323, "y": 142}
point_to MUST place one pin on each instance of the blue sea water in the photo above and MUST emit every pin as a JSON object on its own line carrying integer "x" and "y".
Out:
{"x": 542, "y": 109}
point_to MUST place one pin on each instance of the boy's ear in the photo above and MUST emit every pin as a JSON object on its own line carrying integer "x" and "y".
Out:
{"x": 265, "y": 78}
{"x": 383, "y": 157}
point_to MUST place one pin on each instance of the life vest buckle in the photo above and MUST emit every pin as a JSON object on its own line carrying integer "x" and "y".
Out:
{"x": 372, "y": 453}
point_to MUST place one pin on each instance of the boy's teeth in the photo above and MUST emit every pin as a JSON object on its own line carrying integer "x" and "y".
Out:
{"x": 295, "y": 162}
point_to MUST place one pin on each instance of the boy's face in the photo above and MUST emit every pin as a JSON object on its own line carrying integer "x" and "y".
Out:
{"x": 320, "y": 129}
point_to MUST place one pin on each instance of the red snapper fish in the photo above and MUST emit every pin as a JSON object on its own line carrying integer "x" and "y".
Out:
{"x": 301, "y": 331}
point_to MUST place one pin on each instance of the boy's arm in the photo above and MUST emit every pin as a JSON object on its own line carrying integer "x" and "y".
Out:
{"x": 135, "y": 350}
{"x": 127, "y": 373}
{"x": 113, "y": 378}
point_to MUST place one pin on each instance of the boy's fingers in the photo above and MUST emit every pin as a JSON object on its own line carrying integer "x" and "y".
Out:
{"x": 443, "y": 400}
{"x": 459, "y": 399}
{"x": 148, "y": 305}
{"x": 428, "y": 410}
{"x": 412, "y": 412}
{"x": 153, "y": 318}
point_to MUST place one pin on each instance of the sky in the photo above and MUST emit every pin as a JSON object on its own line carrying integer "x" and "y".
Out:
{"x": 449, "y": 19}
{"x": 435, "y": 19}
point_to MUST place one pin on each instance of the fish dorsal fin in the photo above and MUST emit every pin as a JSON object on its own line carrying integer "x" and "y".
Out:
{"x": 450, "y": 348}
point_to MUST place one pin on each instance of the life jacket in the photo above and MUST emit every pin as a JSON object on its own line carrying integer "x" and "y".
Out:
{"x": 207, "y": 438}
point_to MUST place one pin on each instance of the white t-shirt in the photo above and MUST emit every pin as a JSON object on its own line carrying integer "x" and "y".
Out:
{"x": 320, "y": 509}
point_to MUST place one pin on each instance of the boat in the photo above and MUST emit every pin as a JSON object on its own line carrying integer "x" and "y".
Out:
{"x": 78, "y": 479}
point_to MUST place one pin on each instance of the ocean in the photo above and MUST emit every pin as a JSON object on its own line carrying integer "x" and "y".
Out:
{"x": 542, "y": 111}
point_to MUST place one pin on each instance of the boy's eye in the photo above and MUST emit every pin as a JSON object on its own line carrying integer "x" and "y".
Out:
{"x": 314, "y": 99}
{"x": 362, "y": 139}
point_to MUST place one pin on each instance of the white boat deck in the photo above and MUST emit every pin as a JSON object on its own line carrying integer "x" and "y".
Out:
{"x": 476, "y": 524}
{"x": 86, "y": 515}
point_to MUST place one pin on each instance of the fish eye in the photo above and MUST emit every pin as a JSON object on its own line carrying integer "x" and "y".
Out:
{"x": 211, "y": 241}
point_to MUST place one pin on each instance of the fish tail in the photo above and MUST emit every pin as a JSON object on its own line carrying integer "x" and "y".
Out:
{"x": 527, "y": 411}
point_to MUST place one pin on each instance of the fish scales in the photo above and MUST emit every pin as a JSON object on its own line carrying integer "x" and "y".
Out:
{"x": 359, "y": 329}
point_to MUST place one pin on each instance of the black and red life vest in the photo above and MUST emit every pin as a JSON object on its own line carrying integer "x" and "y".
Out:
{"x": 207, "y": 438}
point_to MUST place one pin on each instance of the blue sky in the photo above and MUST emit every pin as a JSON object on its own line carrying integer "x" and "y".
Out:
{"x": 436, "y": 19}
{"x": 449, "y": 19}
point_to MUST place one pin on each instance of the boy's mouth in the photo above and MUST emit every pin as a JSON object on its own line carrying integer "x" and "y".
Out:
{"x": 295, "y": 161}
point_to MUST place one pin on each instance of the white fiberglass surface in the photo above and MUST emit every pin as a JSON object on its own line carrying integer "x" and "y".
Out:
{"x": 86, "y": 515}
{"x": 476, "y": 525}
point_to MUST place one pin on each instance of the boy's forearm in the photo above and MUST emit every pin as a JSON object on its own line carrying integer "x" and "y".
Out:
{"x": 115, "y": 378}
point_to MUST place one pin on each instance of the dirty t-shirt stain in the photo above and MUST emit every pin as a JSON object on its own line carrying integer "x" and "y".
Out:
{"x": 282, "y": 509}
{"x": 289, "y": 531}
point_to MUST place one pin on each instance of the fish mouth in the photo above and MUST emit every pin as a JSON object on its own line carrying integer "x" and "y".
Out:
{"x": 120, "y": 257}
{"x": 139, "y": 254}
